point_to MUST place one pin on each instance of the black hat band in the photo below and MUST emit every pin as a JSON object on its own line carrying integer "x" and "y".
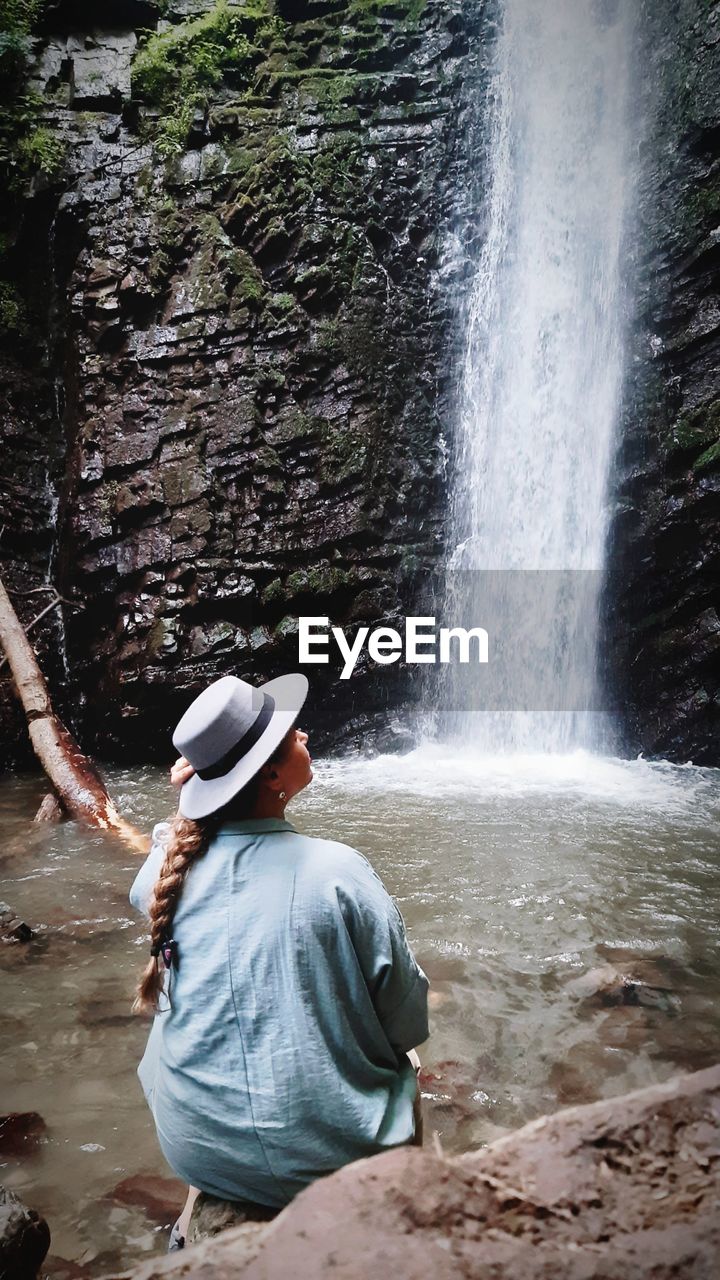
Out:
{"x": 241, "y": 748}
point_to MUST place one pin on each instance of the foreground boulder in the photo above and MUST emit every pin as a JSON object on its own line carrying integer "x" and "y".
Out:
{"x": 24, "y": 1239}
{"x": 627, "y": 1189}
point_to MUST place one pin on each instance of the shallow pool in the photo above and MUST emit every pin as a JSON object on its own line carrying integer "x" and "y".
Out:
{"x": 530, "y": 886}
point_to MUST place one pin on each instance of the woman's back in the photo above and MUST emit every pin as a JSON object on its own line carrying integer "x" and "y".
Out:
{"x": 293, "y": 1002}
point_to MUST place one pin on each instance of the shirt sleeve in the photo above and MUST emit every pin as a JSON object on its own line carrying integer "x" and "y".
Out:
{"x": 143, "y": 885}
{"x": 397, "y": 985}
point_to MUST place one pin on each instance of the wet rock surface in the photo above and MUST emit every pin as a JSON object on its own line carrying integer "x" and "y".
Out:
{"x": 24, "y": 1239}
{"x": 12, "y": 928}
{"x": 21, "y": 1133}
{"x": 161, "y": 1198}
{"x": 211, "y": 1216}
{"x": 234, "y": 396}
{"x": 625, "y": 1189}
{"x": 663, "y": 601}
{"x": 244, "y": 392}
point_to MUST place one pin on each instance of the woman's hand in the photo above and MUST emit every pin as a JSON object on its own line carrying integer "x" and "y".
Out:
{"x": 181, "y": 771}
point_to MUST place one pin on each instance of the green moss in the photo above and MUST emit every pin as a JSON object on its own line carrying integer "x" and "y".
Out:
{"x": 281, "y": 304}
{"x": 249, "y": 288}
{"x": 27, "y": 147}
{"x": 703, "y": 202}
{"x": 407, "y": 10}
{"x": 344, "y": 454}
{"x": 156, "y": 638}
{"x": 221, "y": 274}
{"x": 696, "y": 428}
{"x": 168, "y": 229}
{"x": 12, "y": 311}
{"x": 267, "y": 459}
{"x": 327, "y": 338}
{"x": 176, "y": 71}
{"x": 40, "y": 151}
{"x": 322, "y": 580}
{"x": 337, "y": 169}
{"x": 709, "y": 457}
{"x": 294, "y": 424}
{"x": 273, "y": 592}
{"x": 287, "y": 628}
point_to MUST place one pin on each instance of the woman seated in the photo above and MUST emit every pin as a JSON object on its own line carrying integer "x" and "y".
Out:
{"x": 287, "y": 997}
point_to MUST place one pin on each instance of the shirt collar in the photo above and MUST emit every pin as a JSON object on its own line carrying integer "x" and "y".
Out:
{"x": 254, "y": 826}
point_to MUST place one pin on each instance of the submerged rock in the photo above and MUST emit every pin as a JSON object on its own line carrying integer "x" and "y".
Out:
{"x": 161, "y": 1198}
{"x": 12, "y": 929}
{"x": 21, "y": 1133}
{"x": 608, "y": 987}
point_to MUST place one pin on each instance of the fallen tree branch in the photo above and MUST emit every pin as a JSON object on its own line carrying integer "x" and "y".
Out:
{"x": 76, "y": 782}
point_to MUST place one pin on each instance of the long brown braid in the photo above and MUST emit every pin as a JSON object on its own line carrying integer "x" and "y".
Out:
{"x": 186, "y": 842}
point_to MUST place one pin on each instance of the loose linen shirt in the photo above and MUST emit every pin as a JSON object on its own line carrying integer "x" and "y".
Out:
{"x": 292, "y": 1005}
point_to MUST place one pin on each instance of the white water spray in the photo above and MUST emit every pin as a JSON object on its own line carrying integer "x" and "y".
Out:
{"x": 542, "y": 373}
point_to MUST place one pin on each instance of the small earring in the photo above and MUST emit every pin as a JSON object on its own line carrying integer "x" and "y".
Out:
{"x": 283, "y": 795}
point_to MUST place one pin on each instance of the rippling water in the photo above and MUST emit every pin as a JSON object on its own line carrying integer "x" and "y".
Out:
{"x": 524, "y": 882}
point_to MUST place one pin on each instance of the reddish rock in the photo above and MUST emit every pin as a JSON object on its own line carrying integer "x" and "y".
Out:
{"x": 57, "y": 1268}
{"x": 161, "y": 1198}
{"x": 21, "y": 1133}
{"x": 621, "y": 1190}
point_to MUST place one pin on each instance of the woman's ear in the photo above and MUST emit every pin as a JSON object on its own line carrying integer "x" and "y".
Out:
{"x": 268, "y": 773}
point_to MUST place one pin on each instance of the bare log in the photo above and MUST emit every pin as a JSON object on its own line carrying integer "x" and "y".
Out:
{"x": 79, "y": 789}
{"x": 50, "y": 810}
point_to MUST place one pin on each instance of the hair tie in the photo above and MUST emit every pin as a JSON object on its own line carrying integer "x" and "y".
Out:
{"x": 167, "y": 949}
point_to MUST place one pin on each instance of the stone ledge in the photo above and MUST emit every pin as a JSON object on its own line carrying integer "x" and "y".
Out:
{"x": 627, "y": 1189}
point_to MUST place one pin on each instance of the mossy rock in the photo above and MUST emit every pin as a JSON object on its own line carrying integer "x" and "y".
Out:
{"x": 709, "y": 458}
{"x": 695, "y": 429}
{"x": 322, "y": 580}
{"x": 177, "y": 71}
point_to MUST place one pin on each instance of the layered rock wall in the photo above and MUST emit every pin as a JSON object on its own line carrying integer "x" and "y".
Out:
{"x": 248, "y": 341}
{"x": 664, "y": 596}
{"x": 231, "y": 400}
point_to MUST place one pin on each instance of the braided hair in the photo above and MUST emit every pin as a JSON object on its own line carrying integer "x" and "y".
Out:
{"x": 185, "y": 843}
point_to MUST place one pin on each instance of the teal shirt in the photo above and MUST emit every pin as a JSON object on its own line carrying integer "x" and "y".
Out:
{"x": 293, "y": 1003}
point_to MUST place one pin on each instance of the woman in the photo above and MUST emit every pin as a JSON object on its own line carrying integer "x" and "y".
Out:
{"x": 291, "y": 997}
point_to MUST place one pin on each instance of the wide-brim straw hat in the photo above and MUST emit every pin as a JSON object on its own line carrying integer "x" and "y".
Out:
{"x": 229, "y": 732}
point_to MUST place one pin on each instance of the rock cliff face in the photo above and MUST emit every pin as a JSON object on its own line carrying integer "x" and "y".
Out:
{"x": 664, "y": 597}
{"x": 231, "y": 402}
{"x": 236, "y": 413}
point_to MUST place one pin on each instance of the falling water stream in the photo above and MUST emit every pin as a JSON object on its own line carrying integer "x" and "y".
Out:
{"x": 542, "y": 374}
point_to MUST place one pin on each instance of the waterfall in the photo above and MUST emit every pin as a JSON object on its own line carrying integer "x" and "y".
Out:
{"x": 541, "y": 376}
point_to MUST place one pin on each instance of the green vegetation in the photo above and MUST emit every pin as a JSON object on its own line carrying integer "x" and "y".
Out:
{"x": 322, "y": 580}
{"x": 698, "y": 429}
{"x": 344, "y": 454}
{"x": 176, "y": 70}
{"x": 409, "y": 9}
{"x": 12, "y": 310}
{"x": 26, "y": 146}
{"x": 168, "y": 229}
{"x": 709, "y": 457}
